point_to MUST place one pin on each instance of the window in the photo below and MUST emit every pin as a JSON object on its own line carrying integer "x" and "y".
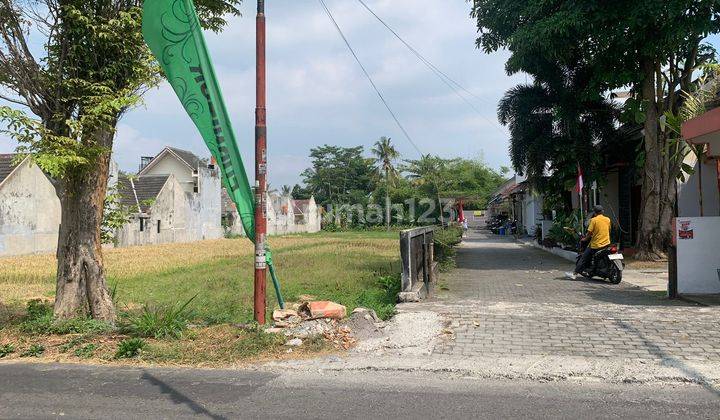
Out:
{"x": 142, "y": 224}
{"x": 158, "y": 227}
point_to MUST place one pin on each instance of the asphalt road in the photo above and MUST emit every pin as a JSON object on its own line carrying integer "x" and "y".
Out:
{"x": 73, "y": 391}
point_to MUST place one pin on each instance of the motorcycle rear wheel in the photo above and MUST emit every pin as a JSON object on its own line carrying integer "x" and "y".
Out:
{"x": 615, "y": 275}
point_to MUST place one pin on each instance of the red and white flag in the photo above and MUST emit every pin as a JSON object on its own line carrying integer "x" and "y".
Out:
{"x": 579, "y": 185}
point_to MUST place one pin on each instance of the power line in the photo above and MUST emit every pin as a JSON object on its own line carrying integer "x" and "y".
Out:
{"x": 449, "y": 81}
{"x": 367, "y": 75}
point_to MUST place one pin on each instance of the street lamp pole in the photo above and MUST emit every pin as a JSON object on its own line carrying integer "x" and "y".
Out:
{"x": 260, "y": 169}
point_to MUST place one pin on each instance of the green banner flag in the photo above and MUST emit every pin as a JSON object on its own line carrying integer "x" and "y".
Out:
{"x": 172, "y": 31}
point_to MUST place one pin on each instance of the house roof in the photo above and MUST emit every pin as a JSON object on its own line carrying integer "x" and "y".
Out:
{"x": 704, "y": 129}
{"x": 187, "y": 156}
{"x": 519, "y": 188}
{"x": 6, "y": 165}
{"x": 145, "y": 188}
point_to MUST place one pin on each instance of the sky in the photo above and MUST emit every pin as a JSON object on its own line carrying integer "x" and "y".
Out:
{"x": 318, "y": 95}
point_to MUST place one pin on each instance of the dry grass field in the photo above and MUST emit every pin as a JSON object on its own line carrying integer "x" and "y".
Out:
{"x": 335, "y": 266}
{"x": 349, "y": 268}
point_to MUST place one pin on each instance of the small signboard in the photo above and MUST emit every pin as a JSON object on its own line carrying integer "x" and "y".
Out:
{"x": 685, "y": 230}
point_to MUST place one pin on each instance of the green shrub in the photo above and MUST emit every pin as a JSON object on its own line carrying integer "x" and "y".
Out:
{"x": 6, "y": 349}
{"x": 36, "y": 308}
{"x": 74, "y": 342}
{"x": 87, "y": 351}
{"x": 49, "y": 325}
{"x": 40, "y": 320}
{"x": 36, "y": 350}
{"x": 161, "y": 321}
{"x": 129, "y": 348}
{"x": 565, "y": 229}
{"x": 445, "y": 241}
{"x": 383, "y": 299}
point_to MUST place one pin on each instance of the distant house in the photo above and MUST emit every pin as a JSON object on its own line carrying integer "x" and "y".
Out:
{"x": 185, "y": 165}
{"x": 528, "y": 209}
{"x": 307, "y": 215}
{"x": 29, "y": 208}
{"x": 176, "y": 197}
{"x": 284, "y": 215}
{"x": 507, "y": 200}
{"x": 499, "y": 202}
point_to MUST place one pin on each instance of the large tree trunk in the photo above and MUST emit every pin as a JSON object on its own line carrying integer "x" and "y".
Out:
{"x": 658, "y": 188}
{"x": 81, "y": 286}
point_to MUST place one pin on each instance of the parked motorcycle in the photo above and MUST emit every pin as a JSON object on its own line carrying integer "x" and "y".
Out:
{"x": 607, "y": 263}
{"x": 494, "y": 224}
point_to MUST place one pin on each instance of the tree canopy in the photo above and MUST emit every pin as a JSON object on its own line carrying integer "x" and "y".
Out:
{"x": 67, "y": 99}
{"x": 339, "y": 175}
{"x": 652, "y": 47}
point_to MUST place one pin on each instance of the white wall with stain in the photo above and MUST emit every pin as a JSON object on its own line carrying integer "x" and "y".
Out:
{"x": 29, "y": 212}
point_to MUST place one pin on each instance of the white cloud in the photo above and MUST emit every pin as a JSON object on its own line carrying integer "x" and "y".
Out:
{"x": 131, "y": 144}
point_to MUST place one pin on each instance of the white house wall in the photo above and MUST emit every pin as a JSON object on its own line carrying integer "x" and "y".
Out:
{"x": 204, "y": 208}
{"x": 282, "y": 224}
{"x": 169, "y": 164}
{"x": 183, "y": 216}
{"x": 168, "y": 208}
{"x": 689, "y": 191}
{"x": 29, "y": 212}
{"x": 313, "y": 218}
{"x": 532, "y": 212}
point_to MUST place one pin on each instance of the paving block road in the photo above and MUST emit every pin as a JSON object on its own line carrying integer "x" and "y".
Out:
{"x": 507, "y": 298}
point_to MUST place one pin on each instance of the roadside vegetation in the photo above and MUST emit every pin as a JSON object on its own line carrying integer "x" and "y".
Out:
{"x": 445, "y": 241}
{"x": 192, "y": 303}
{"x": 582, "y": 56}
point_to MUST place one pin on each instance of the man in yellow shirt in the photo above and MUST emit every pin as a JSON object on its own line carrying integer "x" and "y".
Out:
{"x": 599, "y": 235}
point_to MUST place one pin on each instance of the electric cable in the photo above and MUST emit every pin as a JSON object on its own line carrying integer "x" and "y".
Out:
{"x": 367, "y": 75}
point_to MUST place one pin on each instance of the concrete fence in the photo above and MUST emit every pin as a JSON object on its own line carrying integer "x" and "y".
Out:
{"x": 418, "y": 263}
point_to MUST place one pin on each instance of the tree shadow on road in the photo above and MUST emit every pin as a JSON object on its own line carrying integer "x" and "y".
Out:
{"x": 178, "y": 397}
{"x": 624, "y": 294}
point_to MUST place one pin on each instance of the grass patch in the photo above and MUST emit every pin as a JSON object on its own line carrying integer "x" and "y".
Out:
{"x": 87, "y": 351}
{"x": 72, "y": 343}
{"x": 6, "y": 349}
{"x": 253, "y": 343}
{"x": 159, "y": 321}
{"x": 35, "y": 350}
{"x": 382, "y": 299}
{"x": 129, "y": 348}
{"x": 40, "y": 321}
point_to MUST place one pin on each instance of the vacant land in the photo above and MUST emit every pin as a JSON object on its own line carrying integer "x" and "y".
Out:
{"x": 334, "y": 266}
{"x": 349, "y": 268}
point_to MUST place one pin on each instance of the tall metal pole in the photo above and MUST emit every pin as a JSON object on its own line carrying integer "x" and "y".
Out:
{"x": 260, "y": 169}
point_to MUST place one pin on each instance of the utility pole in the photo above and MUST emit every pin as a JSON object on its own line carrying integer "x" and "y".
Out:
{"x": 260, "y": 168}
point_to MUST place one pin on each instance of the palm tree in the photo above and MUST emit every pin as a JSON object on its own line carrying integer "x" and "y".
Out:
{"x": 555, "y": 124}
{"x": 385, "y": 154}
{"x": 286, "y": 190}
